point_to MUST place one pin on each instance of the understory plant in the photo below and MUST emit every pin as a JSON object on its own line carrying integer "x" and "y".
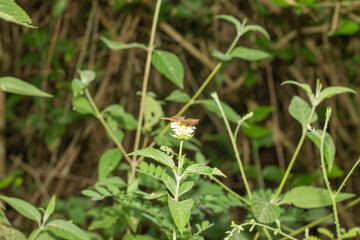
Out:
{"x": 167, "y": 189}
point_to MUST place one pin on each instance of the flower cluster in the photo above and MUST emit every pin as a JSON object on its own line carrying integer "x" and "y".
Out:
{"x": 182, "y": 130}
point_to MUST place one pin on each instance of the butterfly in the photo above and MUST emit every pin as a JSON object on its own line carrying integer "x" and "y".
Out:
{"x": 176, "y": 118}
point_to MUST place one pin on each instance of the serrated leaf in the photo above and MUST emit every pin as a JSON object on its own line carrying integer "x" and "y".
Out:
{"x": 185, "y": 187}
{"x": 108, "y": 162}
{"x": 232, "y": 20}
{"x": 102, "y": 191}
{"x": 66, "y": 230}
{"x": 177, "y": 96}
{"x": 115, "y": 45}
{"x": 329, "y": 146}
{"x": 24, "y": 208}
{"x": 133, "y": 217}
{"x": 300, "y": 110}
{"x": 17, "y": 86}
{"x": 82, "y": 106}
{"x": 157, "y": 155}
{"x": 311, "y": 197}
{"x": 170, "y": 65}
{"x": 180, "y": 211}
{"x": 198, "y": 169}
{"x": 221, "y": 56}
{"x": 257, "y": 28}
{"x": 331, "y": 91}
{"x": 249, "y": 54}
{"x": 152, "y": 113}
{"x": 10, "y": 11}
{"x": 264, "y": 211}
{"x": 211, "y": 105}
{"x": 169, "y": 180}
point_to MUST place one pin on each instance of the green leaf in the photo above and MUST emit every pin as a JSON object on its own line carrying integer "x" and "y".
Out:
{"x": 221, "y": 56}
{"x": 232, "y": 20}
{"x": 9, "y": 233}
{"x": 249, "y": 54}
{"x": 331, "y": 91}
{"x": 178, "y": 96}
{"x": 24, "y": 208}
{"x": 17, "y": 86}
{"x": 185, "y": 187}
{"x": 114, "y": 45}
{"x": 311, "y": 197}
{"x": 329, "y": 146}
{"x": 347, "y": 27}
{"x": 180, "y": 211}
{"x": 108, "y": 162}
{"x": 304, "y": 86}
{"x": 257, "y": 28}
{"x": 82, "y": 106}
{"x": 111, "y": 180}
{"x": 169, "y": 64}
{"x": 211, "y": 105}
{"x": 124, "y": 119}
{"x": 86, "y": 77}
{"x": 95, "y": 196}
{"x": 113, "y": 125}
{"x": 300, "y": 110}
{"x": 198, "y": 169}
{"x": 261, "y": 113}
{"x": 264, "y": 211}
{"x": 77, "y": 87}
{"x": 51, "y": 206}
{"x": 202, "y": 169}
{"x": 133, "y": 186}
{"x": 10, "y": 11}
{"x": 67, "y": 230}
{"x": 152, "y": 113}
{"x": 169, "y": 180}
{"x": 255, "y": 131}
{"x": 157, "y": 155}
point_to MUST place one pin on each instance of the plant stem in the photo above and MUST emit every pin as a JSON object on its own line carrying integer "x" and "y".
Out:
{"x": 178, "y": 180}
{"x": 106, "y": 126}
{"x": 230, "y": 191}
{"x": 345, "y": 180}
{"x": 233, "y": 142}
{"x": 150, "y": 50}
{"x": 296, "y": 153}
{"x": 327, "y": 183}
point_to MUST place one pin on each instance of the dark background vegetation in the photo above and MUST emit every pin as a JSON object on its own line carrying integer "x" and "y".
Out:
{"x": 50, "y": 149}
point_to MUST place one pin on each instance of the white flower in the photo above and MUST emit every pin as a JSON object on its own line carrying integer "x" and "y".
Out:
{"x": 182, "y": 130}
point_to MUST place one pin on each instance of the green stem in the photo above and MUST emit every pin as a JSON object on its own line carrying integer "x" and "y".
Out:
{"x": 345, "y": 180}
{"x": 296, "y": 153}
{"x": 36, "y": 234}
{"x": 150, "y": 50}
{"x": 106, "y": 126}
{"x": 327, "y": 183}
{"x": 178, "y": 177}
{"x": 231, "y": 191}
{"x": 233, "y": 142}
